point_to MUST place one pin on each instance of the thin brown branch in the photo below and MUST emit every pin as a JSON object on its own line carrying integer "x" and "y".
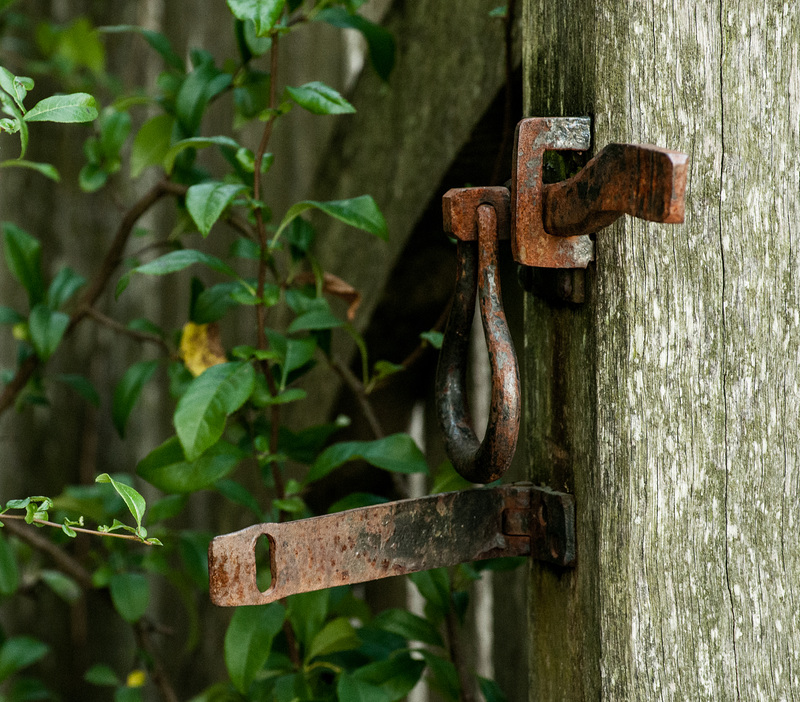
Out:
{"x": 359, "y": 392}
{"x": 142, "y": 630}
{"x": 465, "y": 680}
{"x": 100, "y": 318}
{"x": 107, "y": 267}
{"x": 64, "y": 562}
{"x": 93, "y": 532}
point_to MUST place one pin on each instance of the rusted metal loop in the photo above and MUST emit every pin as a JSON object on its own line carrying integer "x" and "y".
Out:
{"x": 486, "y": 461}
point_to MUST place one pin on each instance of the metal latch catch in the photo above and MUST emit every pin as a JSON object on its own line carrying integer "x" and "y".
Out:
{"x": 395, "y": 538}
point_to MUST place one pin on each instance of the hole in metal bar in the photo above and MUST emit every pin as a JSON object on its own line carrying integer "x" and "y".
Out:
{"x": 264, "y": 565}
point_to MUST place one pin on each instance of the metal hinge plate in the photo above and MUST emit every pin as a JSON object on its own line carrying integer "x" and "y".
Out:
{"x": 394, "y": 539}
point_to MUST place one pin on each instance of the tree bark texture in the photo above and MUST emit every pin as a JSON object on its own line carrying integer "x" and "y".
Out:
{"x": 669, "y": 402}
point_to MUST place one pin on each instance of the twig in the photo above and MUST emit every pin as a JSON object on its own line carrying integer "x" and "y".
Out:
{"x": 110, "y": 262}
{"x": 93, "y": 532}
{"x": 142, "y": 629}
{"x": 457, "y": 658}
{"x": 65, "y": 563}
{"x": 359, "y": 392}
{"x": 99, "y": 317}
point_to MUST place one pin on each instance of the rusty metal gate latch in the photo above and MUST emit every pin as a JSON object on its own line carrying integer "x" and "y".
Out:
{"x": 548, "y": 225}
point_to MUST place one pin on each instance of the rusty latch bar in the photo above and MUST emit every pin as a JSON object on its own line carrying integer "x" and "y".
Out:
{"x": 394, "y": 539}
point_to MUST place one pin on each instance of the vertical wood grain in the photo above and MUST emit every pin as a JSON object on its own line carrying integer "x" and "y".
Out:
{"x": 678, "y": 432}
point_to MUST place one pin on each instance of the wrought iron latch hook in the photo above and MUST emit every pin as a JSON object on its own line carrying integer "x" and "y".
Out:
{"x": 549, "y": 227}
{"x": 477, "y": 217}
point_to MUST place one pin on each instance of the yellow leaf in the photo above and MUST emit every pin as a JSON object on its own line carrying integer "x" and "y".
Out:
{"x": 136, "y": 678}
{"x": 201, "y": 347}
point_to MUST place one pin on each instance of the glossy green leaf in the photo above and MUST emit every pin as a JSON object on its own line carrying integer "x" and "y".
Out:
{"x": 92, "y": 177}
{"x": 194, "y": 93}
{"x": 409, "y": 626}
{"x": 46, "y": 329}
{"x": 207, "y": 201}
{"x": 395, "y": 677}
{"x": 263, "y": 13}
{"x": 80, "y": 385}
{"x": 65, "y": 284}
{"x": 101, "y": 674}
{"x": 307, "y": 612}
{"x": 48, "y": 170}
{"x": 132, "y": 499}
{"x": 238, "y": 494}
{"x": 130, "y": 593}
{"x": 127, "y": 392}
{"x": 360, "y": 212}
{"x": 9, "y": 573}
{"x": 177, "y": 261}
{"x": 23, "y": 256}
{"x": 151, "y": 143}
{"x": 248, "y": 641}
{"x": 62, "y": 585}
{"x": 195, "y": 143}
{"x": 397, "y": 453}
{"x": 434, "y": 586}
{"x": 203, "y": 409}
{"x": 337, "y": 635}
{"x": 165, "y": 508}
{"x": 320, "y": 99}
{"x": 16, "y": 87}
{"x": 444, "y": 676}
{"x": 491, "y": 690}
{"x": 354, "y": 689}
{"x": 166, "y": 467}
{"x": 9, "y": 316}
{"x": 156, "y": 40}
{"x": 19, "y": 652}
{"x": 380, "y": 42}
{"x": 315, "y": 320}
{"x": 293, "y": 353}
{"x": 77, "y": 107}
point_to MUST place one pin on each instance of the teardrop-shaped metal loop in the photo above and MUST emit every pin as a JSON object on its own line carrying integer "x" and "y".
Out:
{"x": 486, "y": 461}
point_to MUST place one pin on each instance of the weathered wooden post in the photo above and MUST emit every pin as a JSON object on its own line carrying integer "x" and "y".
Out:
{"x": 669, "y": 401}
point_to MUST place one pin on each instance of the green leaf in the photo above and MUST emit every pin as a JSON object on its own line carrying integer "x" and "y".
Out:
{"x": 444, "y": 677}
{"x": 203, "y": 409}
{"x": 132, "y": 499}
{"x": 46, "y": 328}
{"x": 166, "y": 467}
{"x": 360, "y": 212}
{"x": 194, "y": 93}
{"x": 434, "y": 586}
{"x": 355, "y": 500}
{"x": 92, "y": 177}
{"x": 130, "y": 593}
{"x": 380, "y": 41}
{"x": 128, "y": 390}
{"x": 19, "y": 652}
{"x": 214, "y": 302}
{"x": 100, "y": 674}
{"x": 195, "y": 143}
{"x": 177, "y": 261}
{"x": 77, "y": 107}
{"x": 9, "y": 316}
{"x": 16, "y": 87}
{"x": 434, "y": 338}
{"x": 320, "y": 99}
{"x": 395, "y": 677}
{"x": 491, "y": 690}
{"x": 397, "y": 453}
{"x": 23, "y": 256}
{"x": 315, "y": 320}
{"x": 9, "y": 573}
{"x": 293, "y": 353}
{"x": 264, "y": 13}
{"x": 248, "y": 641}
{"x": 152, "y": 143}
{"x": 337, "y": 635}
{"x": 409, "y": 626}
{"x": 354, "y": 689}
{"x": 156, "y": 40}
{"x": 502, "y": 13}
{"x": 64, "y": 586}
{"x": 46, "y": 169}
{"x": 207, "y": 201}
{"x": 65, "y": 284}
{"x": 238, "y": 494}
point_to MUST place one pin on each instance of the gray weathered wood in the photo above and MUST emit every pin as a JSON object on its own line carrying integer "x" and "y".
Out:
{"x": 669, "y": 403}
